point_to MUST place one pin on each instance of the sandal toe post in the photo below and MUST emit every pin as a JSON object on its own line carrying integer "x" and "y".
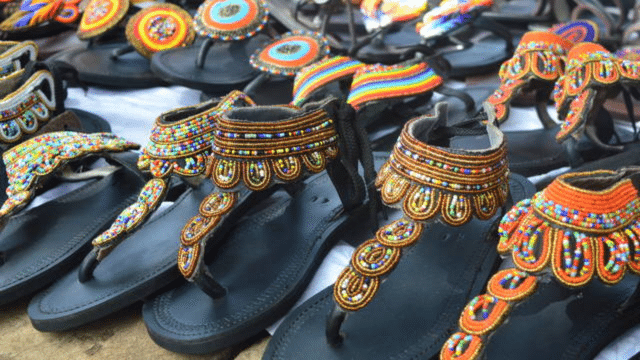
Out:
{"x": 402, "y": 287}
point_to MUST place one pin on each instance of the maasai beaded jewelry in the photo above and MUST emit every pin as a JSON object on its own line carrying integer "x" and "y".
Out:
{"x": 15, "y": 55}
{"x": 426, "y": 181}
{"x": 175, "y": 147}
{"x": 450, "y": 15}
{"x": 35, "y": 12}
{"x": 160, "y": 27}
{"x": 321, "y": 73}
{"x": 29, "y": 162}
{"x": 590, "y": 70}
{"x": 256, "y": 154}
{"x": 377, "y": 82}
{"x": 566, "y": 230}
{"x": 539, "y": 58}
{"x": 101, "y": 16}
{"x": 230, "y": 19}
{"x": 381, "y": 13}
{"x": 290, "y": 53}
{"x": 25, "y": 110}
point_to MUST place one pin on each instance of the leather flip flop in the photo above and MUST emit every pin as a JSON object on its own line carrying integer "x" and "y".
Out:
{"x": 257, "y": 272}
{"x": 124, "y": 63}
{"x": 412, "y": 276}
{"x": 108, "y": 280}
{"x": 572, "y": 270}
{"x": 40, "y": 243}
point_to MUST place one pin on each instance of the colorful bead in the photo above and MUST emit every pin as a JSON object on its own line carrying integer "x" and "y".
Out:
{"x": 321, "y": 73}
{"x": 450, "y": 15}
{"x": 101, "y": 16}
{"x": 382, "y": 13}
{"x": 35, "y": 12}
{"x": 290, "y": 53}
{"x": 230, "y": 20}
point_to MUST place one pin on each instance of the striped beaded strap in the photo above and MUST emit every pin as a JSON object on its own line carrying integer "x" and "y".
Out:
{"x": 592, "y": 74}
{"x": 26, "y": 109}
{"x": 581, "y": 226}
{"x": 35, "y": 12}
{"x": 382, "y": 13}
{"x": 383, "y": 82}
{"x": 180, "y": 143}
{"x": 230, "y": 20}
{"x": 101, "y": 16}
{"x": 14, "y": 56}
{"x": 255, "y": 148}
{"x": 449, "y": 16}
{"x": 160, "y": 27}
{"x": 321, "y": 73}
{"x": 290, "y": 52}
{"x": 31, "y": 162}
{"x": 427, "y": 181}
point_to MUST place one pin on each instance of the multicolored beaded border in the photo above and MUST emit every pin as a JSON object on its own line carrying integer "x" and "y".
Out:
{"x": 35, "y": 12}
{"x": 230, "y": 20}
{"x": 321, "y": 73}
{"x": 160, "y": 27}
{"x": 290, "y": 53}
{"x": 101, "y": 16}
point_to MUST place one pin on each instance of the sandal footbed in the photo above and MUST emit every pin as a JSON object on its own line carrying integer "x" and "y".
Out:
{"x": 416, "y": 306}
{"x": 265, "y": 264}
{"x": 41, "y": 243}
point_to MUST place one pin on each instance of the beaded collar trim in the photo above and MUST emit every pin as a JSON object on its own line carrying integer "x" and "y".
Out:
{"x": 590, "y": 74}
{"x": 377, "y": 82}
{"x": 578, "y": 232}
{"x": 35, "y": 12}
{"x": 101, "y": 16}
{"x": 15, "y": 56}
{"x": 321, "y": 73}
{"x": 160, "y": 27}
{"x": 450, "y": 15}
{"x": 382, "y": 13}
{"x": 258, "y": 153}
{"x": 253, "y": 153}
{"x": 538, "y": 58}
{"x": 426, "y": 181}
{"x": 26, "y": 109}
{"x": 290, "y": 53}
{"x": 229, "y": 20}
{"x": 30, "y": 162}
{"x": 182, "y": 147}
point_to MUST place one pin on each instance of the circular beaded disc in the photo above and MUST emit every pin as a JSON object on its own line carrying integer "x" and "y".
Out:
{"x": 160, "y": 27}
{"x": 290, "y": 53}
{"x": 101, "y": 16}
{"x": 230, "y": 19}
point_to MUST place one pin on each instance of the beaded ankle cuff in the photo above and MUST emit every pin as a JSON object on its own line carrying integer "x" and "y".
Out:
{"x": 15, "y": 56}
{"x": 25, "y": 110}
{"x": 179, "y": 144}
{"x": 35, "y": 12}
{"x": 289, "y": 53}
{"x": 427, "y": 182}
{"x": 230, "y": 20}
{"x": 30, "y": 162}
{"x": 282, "y": 146}
{"x": 592, "y": 74}
{"x": 450, "y": 15}
{"x": 581, "y": 226}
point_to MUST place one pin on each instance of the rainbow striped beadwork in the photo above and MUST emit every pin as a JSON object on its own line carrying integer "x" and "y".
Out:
{"x": 321, "y": 73}
{"x": 377, "y": 82}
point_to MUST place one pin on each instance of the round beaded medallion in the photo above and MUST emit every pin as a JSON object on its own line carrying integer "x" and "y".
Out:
{"x": 160, "y": 27}
{"x": 290, "y": 53}
{"x": 100, "y": 16}
{"x": 230, "y": 19}
{"x": 577, "y": 31}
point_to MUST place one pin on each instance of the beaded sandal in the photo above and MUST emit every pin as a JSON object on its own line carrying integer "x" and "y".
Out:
{"x": 581, "y": 227}
{"x": 125, "y": 62}
{"x": 432, "y": 174}
{"x": 40, "y": 18}
{"x": 238, "y": 28}
{"x": 40, "y": 243}
{"x": 259, "y": 270}
{"x": 107, "y": 280}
